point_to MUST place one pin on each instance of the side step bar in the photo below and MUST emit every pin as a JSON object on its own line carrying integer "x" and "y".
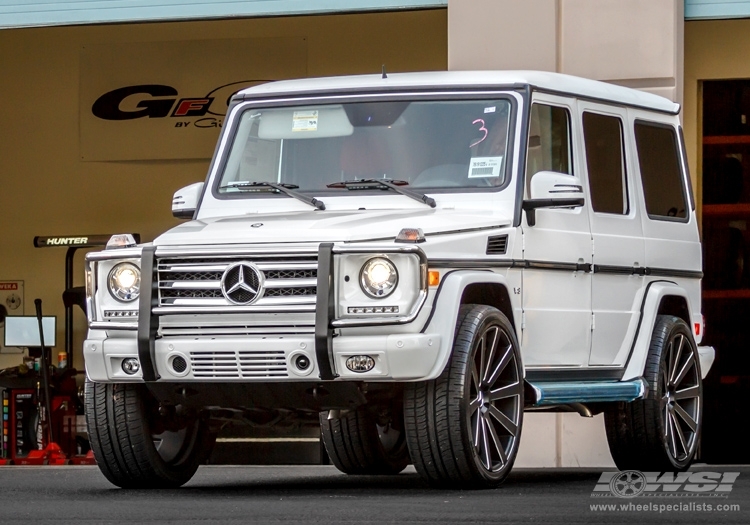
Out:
{"x": 563, "y": 393}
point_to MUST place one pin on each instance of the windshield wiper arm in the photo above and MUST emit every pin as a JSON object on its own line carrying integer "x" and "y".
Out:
{"x": 286, "y": 189}
{"x": 367, "y": 184}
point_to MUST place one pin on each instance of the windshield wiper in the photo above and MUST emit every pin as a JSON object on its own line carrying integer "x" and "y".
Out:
{"x": 368, "y": 184}
{"x": 286, "y": 189}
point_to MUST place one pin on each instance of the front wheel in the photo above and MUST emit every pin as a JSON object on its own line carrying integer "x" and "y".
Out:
{"x": 135, "y": 445}
{"x": 464, "y": 428}
{"x": 364, "y": 441}
{"x": 662, "y": 431}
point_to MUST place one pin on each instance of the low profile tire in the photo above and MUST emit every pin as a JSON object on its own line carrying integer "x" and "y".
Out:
{"x": 362, "y": 442}
{"x": 464, "y": 428}
{"x": 130, "y": 443}
{"x": 662, "y": 431}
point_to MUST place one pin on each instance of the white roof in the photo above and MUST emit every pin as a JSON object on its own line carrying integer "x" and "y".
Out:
{"x": 542, "y": 80}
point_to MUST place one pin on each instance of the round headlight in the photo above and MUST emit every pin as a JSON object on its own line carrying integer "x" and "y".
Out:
{"x": 125, "y": 282}
{"x": 378, "y": 277}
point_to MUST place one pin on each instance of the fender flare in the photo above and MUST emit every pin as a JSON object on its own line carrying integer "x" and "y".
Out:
{"x": 445, "y": 310}
{"x": 655, "y": 292}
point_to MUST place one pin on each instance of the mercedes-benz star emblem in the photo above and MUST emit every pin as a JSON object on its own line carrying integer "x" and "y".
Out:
{"x": 242, "y": 283}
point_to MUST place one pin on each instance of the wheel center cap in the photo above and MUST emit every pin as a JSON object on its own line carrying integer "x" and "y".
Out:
{"x": 483, "y": 400}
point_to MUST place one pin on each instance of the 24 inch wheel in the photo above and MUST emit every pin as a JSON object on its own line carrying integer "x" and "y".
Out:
{"x": 135, "y": 445}
{"x": 463, "y": 428}
{"x": 662, "y": 431}
{"x": 362, "y": 441}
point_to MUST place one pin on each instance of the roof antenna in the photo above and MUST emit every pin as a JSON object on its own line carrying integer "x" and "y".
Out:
{"x": 384, "y": 75}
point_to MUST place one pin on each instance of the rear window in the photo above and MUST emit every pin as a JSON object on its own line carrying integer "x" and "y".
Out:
{"x": 658, "y": 158}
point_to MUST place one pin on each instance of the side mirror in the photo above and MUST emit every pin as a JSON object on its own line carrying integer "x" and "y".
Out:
{"x": 550, "y": 189}
{"x": 185, "y": 201}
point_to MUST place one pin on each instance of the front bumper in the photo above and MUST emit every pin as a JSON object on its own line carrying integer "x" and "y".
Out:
{"x": 230, "y": 356}
{"x": 398, "y": 357}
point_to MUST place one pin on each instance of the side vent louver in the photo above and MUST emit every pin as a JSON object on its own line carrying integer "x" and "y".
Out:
{"x": 497, "y": 245}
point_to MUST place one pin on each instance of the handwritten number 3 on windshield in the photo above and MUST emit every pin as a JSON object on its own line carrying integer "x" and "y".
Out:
{"x": 481, "y": 128}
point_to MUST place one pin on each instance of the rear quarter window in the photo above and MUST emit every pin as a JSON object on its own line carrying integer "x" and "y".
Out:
{"x": 661, "y": 173}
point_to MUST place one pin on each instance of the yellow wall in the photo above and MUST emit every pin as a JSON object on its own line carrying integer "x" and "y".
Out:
{"x": 714, "y": 49}
{"x": 45, "y": 189}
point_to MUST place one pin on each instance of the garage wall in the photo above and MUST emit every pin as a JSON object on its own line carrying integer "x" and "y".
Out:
{"x": 633, "y": 43}
{"x": 47, "y": 189}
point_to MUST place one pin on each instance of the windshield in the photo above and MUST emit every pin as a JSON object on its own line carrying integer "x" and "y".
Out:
{"x": 426, "y": 144}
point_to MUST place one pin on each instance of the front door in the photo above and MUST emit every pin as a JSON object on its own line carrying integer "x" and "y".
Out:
{"x": 556, "y": 328}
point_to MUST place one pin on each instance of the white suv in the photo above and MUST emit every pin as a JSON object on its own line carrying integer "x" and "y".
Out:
{"x": 412, "y": 262}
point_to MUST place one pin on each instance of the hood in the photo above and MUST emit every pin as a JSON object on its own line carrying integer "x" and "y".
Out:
{"x": 326, "y": 226}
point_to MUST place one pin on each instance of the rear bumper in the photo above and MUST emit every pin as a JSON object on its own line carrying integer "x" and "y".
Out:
{"x": 706, "y": 355}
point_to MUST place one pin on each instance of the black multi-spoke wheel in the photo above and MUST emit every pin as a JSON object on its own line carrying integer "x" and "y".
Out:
{"x": 494, "y": 407}
{"x": 463, "y": 429}
{"x": 365, "y": 441}
{"x": 661, "y": 432}
{"x": 681, "y": 397}
{"x": 137, "y": 447}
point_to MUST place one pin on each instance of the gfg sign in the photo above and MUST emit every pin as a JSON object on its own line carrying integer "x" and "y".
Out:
{"x": 162, "y": 101}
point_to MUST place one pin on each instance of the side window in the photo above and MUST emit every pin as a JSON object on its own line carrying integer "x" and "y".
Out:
{"x": 606, "y": 164}
{"x": 549, "y": 141}
{"x": 658, "y": 158}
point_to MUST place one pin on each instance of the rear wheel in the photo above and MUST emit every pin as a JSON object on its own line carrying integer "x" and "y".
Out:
{"x": 135, "y": 445}
{"x": 661, "y": 432}
{"x": 364, "y": 441}
{"x": 463, "y": 428}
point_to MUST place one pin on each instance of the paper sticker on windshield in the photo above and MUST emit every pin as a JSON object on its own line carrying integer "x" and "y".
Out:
{"x": 305, "y": 120}
{"x": 481, "y": 167}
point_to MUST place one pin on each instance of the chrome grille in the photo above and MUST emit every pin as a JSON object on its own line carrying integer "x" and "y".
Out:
{"x": 194, "y": 282}
{"x": 167, "y": 294}
{"x": 223, "y": 364}
{"x": 191, "y": 276}
{"x": 291, "y": 274}
{"x": 281, "y": 292}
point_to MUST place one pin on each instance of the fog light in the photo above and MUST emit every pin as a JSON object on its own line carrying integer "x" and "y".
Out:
{"x": 130, "y": 366}
{"x": 360, "y": 363}
{"x": 302, "y": 362}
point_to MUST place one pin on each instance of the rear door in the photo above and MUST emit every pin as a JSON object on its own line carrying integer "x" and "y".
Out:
{"x": 616, "y": 230}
